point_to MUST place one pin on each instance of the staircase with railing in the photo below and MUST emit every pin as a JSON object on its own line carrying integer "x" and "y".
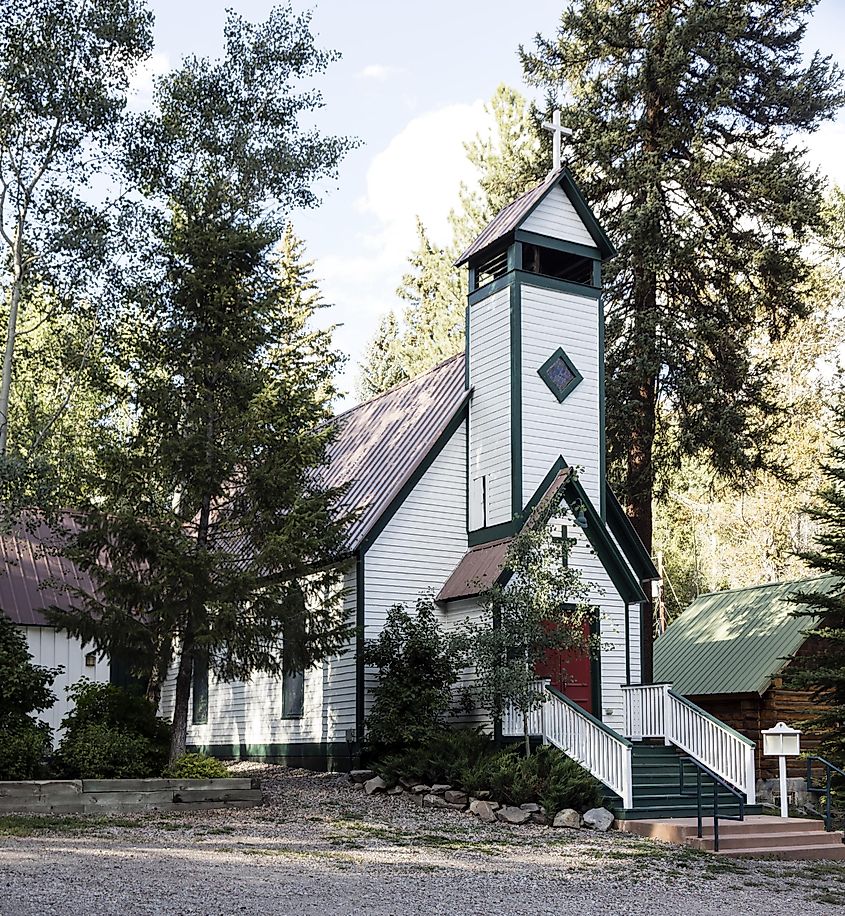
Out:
{"x": 644, "y": 778}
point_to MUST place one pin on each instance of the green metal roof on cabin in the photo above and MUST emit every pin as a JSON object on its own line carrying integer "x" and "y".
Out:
{"x": 734, "y": 641}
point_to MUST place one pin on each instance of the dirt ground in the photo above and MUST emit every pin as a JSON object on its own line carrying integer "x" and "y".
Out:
{"x": 318, "y": 847}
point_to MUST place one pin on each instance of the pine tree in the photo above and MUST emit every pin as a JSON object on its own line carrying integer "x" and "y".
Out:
{"x": 823, "y": 670}
{"x": 219, "y": 535}
{"x": 509, "y": 161}
{"x": 684, "y": 113}
{"x": 381, "y": 368}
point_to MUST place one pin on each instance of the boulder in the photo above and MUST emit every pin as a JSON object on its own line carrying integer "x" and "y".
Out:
{"x": 538, "y": 817}
{"x": 421, "y": 789}
{"x": 374, "y": 785}
{"x": 357, "y": 786}
{"x": 531, "y": 807}
{"x": 406, "y": 782}
{"x": 513, "y": 815}
{"x": 396, "y": 790}
{"x": 439, "y": 788}
{"x": 484, "y": 810}
{"x": 454, "y": 797}
{"x": 484, "y": 795}
{"x": 361, "y": 775}
{"x": 569, "y": 817}
{"x": 434, "y": 801}
{"x": 598, "y": 819}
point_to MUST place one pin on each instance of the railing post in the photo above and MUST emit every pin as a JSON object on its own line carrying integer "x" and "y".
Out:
{"x": 750, "y": 776}
{"x": 668, "y": 715}
{"x": 627, "y": 780}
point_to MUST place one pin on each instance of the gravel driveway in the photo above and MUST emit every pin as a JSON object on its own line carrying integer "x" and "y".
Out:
{"x": 318, "y": 847}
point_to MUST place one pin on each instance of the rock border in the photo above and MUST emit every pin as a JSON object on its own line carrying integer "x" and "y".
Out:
{"x": 481, "y": 806}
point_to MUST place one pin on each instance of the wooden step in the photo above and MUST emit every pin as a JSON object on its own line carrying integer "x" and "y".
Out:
{"x": 756, "y": 836}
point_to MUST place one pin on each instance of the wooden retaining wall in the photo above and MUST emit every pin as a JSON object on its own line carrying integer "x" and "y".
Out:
{"x": 92, "y": 796}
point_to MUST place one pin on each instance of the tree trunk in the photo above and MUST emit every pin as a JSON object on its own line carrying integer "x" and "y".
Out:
{"x": 11, "y": 334}
{"x": 158, "y": 673}
{"x": 179, "y": 734}
{"x": 526, "y": 735}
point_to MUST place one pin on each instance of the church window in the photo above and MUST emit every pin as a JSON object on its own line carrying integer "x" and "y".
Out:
{"x": 560, "y": 374}
{"x": 293, "y": 679}
{"x": 199, "y": 689}
{"x": 494, "y": 267}
{"x": 550, "y": 262}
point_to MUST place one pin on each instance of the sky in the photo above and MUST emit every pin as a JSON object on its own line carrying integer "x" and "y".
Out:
{"x": 411, "y": 86}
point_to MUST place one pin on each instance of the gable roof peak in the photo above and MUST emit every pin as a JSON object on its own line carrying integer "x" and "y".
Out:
{"x": 514, "y": 214}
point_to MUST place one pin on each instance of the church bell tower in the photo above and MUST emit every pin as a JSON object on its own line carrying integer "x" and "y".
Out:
{"x": 534, "y": 354}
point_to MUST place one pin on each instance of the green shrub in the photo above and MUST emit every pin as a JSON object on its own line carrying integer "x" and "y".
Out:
{"x": 111, "y": 733}
{"x": 417, "y": 665}
{"x": 24, "y": 690}
{"x": 468, "y": 760}
{"x": 447, "y": 756}
{"x": 23, "y": 750}
{"x": 196, "y": 766}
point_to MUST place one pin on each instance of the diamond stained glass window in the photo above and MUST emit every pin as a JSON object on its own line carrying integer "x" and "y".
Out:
{"x": 559, "y": 373}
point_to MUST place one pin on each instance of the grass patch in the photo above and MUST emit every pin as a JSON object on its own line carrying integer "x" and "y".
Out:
{"x": 32, "y": 824}
{"x": 827, "y": 897}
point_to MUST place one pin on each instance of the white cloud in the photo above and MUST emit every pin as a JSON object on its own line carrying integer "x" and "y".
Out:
{"x": 378, "y": 72}
{"x": 417, "y": 173}
{"x": 141, "y": 84}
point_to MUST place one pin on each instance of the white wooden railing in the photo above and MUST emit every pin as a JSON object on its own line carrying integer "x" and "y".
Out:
{"x": 598, "y": 748}
{"x": 656, "y": 711}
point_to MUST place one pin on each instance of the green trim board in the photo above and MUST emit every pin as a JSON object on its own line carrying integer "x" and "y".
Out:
{"x": 548, "y": 241}
{"x": 312, "y": 755}
{"x": 516, "y": 397}
{"x": 545, "y": 374}
{"x": 628, "y": 539}
{"x": 602, "y": 405}
{"x": 620, "y": 573}
{"x": 494, "y": 286}
{"x": 526, "y": 278}
{"x": 360, "y": 625}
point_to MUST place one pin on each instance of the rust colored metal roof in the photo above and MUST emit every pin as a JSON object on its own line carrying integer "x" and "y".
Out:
{"x": 28, "y": 560}
{"x": 479, "y": 568}
{"x": 381, "y": 443}
{"x": 509, "y": 219}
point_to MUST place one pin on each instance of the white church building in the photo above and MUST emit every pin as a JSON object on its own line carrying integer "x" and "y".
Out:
{"x": 445, "y": 469}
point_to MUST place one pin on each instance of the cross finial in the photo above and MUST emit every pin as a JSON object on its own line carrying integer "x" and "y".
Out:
{"x": 557, "y": 131}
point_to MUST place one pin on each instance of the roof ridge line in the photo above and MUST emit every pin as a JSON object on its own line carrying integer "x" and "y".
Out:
{"x": 748, "y": 588}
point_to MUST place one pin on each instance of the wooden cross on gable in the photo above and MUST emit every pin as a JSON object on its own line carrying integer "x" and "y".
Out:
{"x": 557, "y": 132}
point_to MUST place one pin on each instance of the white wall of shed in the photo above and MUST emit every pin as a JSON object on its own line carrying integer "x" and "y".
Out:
{"x": 56, "y": 648}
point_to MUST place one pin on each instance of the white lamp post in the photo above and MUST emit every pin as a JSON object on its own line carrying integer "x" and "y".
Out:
{"x": 782, "y": 742}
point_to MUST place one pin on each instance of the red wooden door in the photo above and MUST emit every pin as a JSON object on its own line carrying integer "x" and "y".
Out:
{"x": 571, "y": 673}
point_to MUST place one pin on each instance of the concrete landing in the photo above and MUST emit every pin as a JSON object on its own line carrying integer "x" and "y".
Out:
{"x": 757, "y": 835}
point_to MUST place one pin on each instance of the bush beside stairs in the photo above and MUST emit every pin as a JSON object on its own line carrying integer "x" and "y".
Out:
{"x": 661, "y": 812}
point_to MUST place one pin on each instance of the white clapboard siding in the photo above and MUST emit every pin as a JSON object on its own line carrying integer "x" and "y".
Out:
{"x": 250, "y": 712}
{"x": 551, "y": 319}
{"x": 634, "y": 612}
{"x": 458, "y": 613}
{"x": 555, "y": 216}
{"x": 56, "y": 649}
{"x": 422, "y": 544}
{"x": 490, "y": 423}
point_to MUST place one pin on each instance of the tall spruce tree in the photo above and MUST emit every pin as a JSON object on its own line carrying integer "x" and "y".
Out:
{"x": 685, "y": 114}
{"x": 822, "y": 669}
{"x": 218, "y": 533}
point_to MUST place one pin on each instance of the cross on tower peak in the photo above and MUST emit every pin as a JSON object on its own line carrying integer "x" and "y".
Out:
{"x": 557, "y": 131}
